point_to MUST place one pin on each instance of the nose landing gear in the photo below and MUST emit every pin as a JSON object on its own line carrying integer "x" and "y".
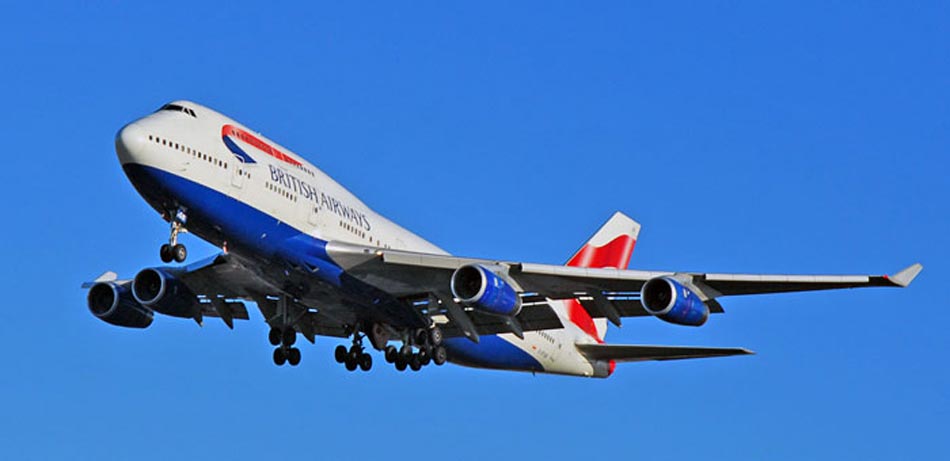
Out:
{"x": 174, "y": 251}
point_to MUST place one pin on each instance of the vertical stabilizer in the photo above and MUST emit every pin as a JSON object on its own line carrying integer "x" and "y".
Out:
{"x": 611, "y": 246}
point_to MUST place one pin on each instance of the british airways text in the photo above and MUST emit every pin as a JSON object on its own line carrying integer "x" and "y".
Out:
{"x": 325, "y": 201}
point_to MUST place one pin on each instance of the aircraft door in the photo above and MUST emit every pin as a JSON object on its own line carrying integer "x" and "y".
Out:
{"x": 313, "y": 213}
{"x": 238, "y": 173}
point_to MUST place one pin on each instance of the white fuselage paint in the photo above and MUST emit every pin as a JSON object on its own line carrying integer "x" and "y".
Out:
{"x": 192, "y": 148}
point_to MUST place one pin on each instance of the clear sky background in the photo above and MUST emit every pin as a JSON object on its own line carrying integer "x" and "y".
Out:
{"x": 744, "y": 136}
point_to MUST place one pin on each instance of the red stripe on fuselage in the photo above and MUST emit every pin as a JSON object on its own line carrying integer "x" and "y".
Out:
{"x": 233, "y": 131}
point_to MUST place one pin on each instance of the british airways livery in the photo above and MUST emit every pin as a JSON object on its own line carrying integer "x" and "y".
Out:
{"x": 316, "y": 260}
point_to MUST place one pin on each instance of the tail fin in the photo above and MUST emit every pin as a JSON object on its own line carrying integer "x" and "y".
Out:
{"x": 611, "y": 246}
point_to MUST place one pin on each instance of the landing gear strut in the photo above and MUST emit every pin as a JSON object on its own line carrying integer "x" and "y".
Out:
{"x": 174, "y": 251}
{"x": 283, "y": 335}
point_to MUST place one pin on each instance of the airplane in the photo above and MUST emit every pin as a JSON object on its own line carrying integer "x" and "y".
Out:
{"x": 317, "y": 261}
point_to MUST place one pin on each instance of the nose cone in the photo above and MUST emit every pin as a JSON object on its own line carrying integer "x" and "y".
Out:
{"x": 130, "y": 143}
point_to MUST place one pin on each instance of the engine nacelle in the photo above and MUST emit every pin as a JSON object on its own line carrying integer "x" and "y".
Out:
{"x": 113, "y": 303}
{"x": 159, "y": 290}
{"x": 478, "y": 286}
{"x": 669, "y": 300}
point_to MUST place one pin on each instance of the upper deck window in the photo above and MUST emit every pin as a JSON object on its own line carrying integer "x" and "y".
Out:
{"x": 177, "y": 108}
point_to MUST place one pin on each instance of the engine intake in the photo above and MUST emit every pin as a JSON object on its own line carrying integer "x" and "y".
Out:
{"x": 669, "y": 300}
{"x": 478, "y": 286}
{"x": 112, "y": 303}
{"x": 159, "y": 290}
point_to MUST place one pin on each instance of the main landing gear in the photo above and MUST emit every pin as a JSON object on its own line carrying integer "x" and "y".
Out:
{"x": 174, "y": 251}
{"x": 418, "y": 350}
{"x": 284, "y": 339}
{"x": 356, "y": 356}
{"x": 283, "y": 335}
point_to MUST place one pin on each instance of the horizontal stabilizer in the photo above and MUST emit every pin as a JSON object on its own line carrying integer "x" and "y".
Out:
{"x": 108, "y": 276}
{"x": 639, "y": 353}
{"x": 904, "y": 277}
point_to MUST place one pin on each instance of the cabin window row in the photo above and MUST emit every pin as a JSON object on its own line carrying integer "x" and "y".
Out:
{"x": 282, "y": 192}
{"x": 355, "y": 230}
{"x": 196, "y": 154}
{"x": 305, "y": 170}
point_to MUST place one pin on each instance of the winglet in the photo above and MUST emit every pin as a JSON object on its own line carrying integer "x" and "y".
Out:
{"x": 904, "y": 277}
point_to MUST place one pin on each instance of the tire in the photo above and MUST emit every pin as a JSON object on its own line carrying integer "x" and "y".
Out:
{"x": 293, "y": 357}
{"x": 366, "y": 362}
{"x": 400, "y": 364}
{"x": 340, "y": 354}
{"x": 165, "y": 252}
{"x": 439, "y": 356}
{"x": 424, "y": 357}
{"x": 279, "y": 357}
{"x": 180, "y": 253}
{"x": 350, "y": 364}
{"x": 414, "y": 363}
{"x": 390, "y": 354}
{"x": 354, "y": 355}
{"x": 289, "y": 336}
{"x": 274, "y": 337}
{"x": 436, "y": 336}
{"x": 405, "y": 352}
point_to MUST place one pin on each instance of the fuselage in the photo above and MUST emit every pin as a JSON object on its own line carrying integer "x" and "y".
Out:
{"x": 260, "y": 201}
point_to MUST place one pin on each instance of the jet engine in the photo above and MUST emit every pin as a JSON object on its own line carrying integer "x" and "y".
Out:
{"x": 669, "y": 300}
{"x": 159, "y": 290}
{"x": 112, "y": 302}
{"x": 478, "y": 286}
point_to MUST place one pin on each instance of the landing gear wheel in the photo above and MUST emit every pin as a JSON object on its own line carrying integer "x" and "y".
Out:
{"x": 414, "y": 363}
{"x": 366, "y": 362}
{"x": 424, "y": 357}
{"x": 390, "y": 354}
{"x": 421, "y": 336}
{"x": 274, "y": 337}
{"x": 289, "y": 336}
{"x": 293, "y": 356}
{"x": 350, "y": 363}
{"x": 180, "y": 253}
{"x": 340, "y": 354}
{"x": 400, "y": 363}
{"x": 279, "y": 357}
{"x": 439, "y": 355}
{"x": 354, "y": 355}
{"x": 165, "y": 252}
{"x": 405, "y": 352}
{"x": 435, "y": 336}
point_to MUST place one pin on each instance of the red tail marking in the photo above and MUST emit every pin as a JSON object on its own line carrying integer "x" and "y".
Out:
{"x": 616, "y": 254}
{"x": 581, "y": 318}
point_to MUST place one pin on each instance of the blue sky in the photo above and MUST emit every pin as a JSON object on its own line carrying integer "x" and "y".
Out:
{"x": 750, "y": 137}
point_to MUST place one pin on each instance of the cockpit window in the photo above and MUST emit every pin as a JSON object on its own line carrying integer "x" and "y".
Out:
{"x": 177, "y": 108}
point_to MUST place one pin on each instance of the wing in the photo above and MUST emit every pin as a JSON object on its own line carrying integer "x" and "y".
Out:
{"x": 638, "y": 353}
{"x": 610, "y": 293}
{"x": 220, "y": 285}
